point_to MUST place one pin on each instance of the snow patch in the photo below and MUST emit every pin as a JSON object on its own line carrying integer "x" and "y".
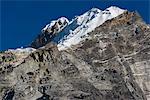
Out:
{"x": 21, "y": 50}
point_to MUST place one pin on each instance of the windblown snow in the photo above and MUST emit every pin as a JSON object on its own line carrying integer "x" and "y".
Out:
{"x": 76, "y": 30}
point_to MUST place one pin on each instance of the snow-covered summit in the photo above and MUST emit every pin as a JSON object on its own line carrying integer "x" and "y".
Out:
{"x": 56, "y": 25}
{"x": 67, "y": 33}
{"x": 87, "y": 23}
{"x": 113, "y": 11}
{"x": 83, "y": 19}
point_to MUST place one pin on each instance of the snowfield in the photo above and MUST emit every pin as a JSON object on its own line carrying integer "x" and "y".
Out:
{"x": 86, "y": 23}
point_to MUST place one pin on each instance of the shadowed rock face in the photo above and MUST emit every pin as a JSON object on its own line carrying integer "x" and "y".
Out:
{"x": 113, "y": 63}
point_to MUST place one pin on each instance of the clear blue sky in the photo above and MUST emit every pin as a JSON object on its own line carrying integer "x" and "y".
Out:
{"x": 22, "y": 20}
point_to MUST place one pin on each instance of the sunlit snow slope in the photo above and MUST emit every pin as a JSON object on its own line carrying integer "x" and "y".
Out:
{"x": 77, "y": 29}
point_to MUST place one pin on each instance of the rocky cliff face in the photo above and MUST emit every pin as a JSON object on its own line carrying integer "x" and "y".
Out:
{"x": 111, "y": 63}
{"x": 49, "y": 32}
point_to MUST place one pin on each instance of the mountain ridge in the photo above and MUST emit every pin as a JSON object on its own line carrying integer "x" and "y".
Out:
{"x": 111, "y": 64}
{"x": 79, "y": 26}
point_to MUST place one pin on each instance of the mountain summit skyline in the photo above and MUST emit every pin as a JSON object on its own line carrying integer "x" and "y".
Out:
{"x": 98, "y": 55}
{"x": 21, "y": 21}
{"x": 66, "y": 33}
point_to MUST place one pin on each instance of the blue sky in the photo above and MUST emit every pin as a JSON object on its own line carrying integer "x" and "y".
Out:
{"x": 21, "y": 21}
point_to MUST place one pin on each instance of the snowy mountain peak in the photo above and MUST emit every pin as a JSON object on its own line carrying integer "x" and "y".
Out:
{"x": 56, "y": 25}
{"x": 71, "y": 33}
{"x": 114, "y": 8}
{"x": 95, "y": 10}
{"x": 87, "y": 23}
{"x": 114, "y": 11}
{"x": 82, "y": 19}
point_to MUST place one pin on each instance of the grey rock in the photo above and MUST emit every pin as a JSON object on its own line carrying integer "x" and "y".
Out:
{"x": 114, "y": 64}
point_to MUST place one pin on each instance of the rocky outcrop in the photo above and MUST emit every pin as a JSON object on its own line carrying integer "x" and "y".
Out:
{"x": 113, "y": 63}
{"x": 49, "y": 32}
